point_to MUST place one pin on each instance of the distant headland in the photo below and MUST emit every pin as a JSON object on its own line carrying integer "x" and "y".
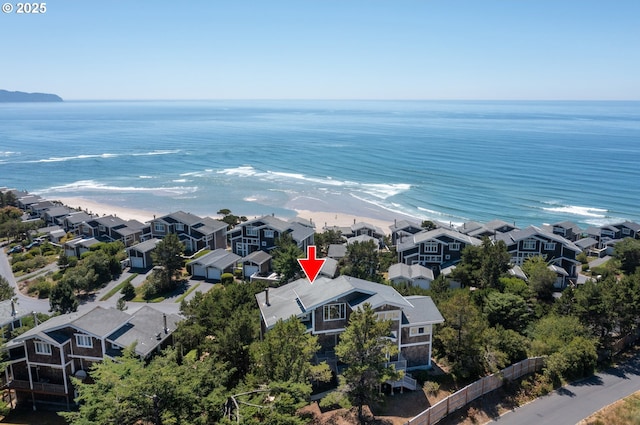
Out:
{"x": 18, "y": 96}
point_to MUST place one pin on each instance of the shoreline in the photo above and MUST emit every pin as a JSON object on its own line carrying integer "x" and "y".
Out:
{"x": 319, "y": 218}
{"x": 102, "y": 209}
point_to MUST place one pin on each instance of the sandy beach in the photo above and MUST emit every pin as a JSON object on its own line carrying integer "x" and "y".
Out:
{"x": 106, "y": 209}
{"x": 324, "y": 218}
{"x": 319, "y": 218}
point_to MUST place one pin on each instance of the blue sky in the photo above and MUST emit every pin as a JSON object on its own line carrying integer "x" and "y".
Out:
{"x": 325, "y": 49}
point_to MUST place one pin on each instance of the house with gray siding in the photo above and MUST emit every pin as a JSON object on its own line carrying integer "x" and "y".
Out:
{"x": 325, "y": 307}
{"x": 435, "y": 249}
{"x": 196, "y": 233}
{"x": 261, "y": 234}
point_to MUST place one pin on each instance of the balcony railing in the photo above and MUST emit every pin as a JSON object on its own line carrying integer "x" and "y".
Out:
{"x": 40, "y": 387}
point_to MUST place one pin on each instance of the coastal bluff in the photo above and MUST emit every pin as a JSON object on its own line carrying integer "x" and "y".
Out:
{"x": 18, "y": 96}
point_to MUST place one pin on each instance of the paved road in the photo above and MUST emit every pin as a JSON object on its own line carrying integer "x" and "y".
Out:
{"x": 574, "y": 402}
{"x": 25, "y": 303}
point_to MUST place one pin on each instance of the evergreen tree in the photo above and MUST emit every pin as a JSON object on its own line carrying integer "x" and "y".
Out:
{"x": 362, "y": 261}
{"x": 365, "y": 348}
{"x": 285, "y": 258}
{"x": 63, "y": 299}
{"x": 168, "y": 255}
{"x": 6, "y": 289}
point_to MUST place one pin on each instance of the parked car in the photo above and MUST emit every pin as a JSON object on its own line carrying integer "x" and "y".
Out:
{"x": 16, "y": 249}
{"x": 33, "y": 245}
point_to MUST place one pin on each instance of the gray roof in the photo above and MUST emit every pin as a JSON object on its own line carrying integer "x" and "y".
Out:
{"x": 631, "y": 225}
{"x": 363, "y": 239}
{"x": 210, "y": 225}
{"x": 558, "y": 270}
{"x": 362, "y": 225}
{"x": 585, "y": 243}
{"x": 423, "y": 310}
{"x": 101, "y": 321}
{"x": 257, "y": 257}
{"x": 143, "y": 328}
{"x": 84, "y": 242}
{"x": 516, "y": 271}
{"x": 404, "y": 224}
{"x": 58, "y": 211}
{"x": 410, "y": 272}
{"x": 330, "y": 267}
{"x": 532, "y": 231}
{"x": 300, "y": 232}
{"x": 110, "y": 221}
{"x": 337, "y": 250}
{"x": 436, "y": 234}
{"x": 218, "y": 259}
{"x": 567, "y": 225}
{"x": 78, "y": 217}
{"x": 145, "y": 246}
{"x": 297, "y": 297}
{"x": 180, "y": 217}
{"x": 469, "y": 226}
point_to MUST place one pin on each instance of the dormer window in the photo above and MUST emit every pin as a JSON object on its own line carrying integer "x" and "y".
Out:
{"x": 84, "y": 341}
{"x": 43, "y": 348}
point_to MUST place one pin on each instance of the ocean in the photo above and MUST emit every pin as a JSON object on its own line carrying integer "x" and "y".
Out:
{"x": 452, "y": 161}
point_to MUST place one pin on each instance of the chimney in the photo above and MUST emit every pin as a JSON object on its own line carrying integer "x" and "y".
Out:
{"x": 354, "y": 221}
{"x": 164, "y": 318}
{"x": 14, "y": 313}
{"x": 266, "y": 296}
{"x": 395, "y": 222}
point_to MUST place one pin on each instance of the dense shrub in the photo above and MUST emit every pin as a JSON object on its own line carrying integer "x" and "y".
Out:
{"x": 42, "y": 287}
{"x": 226, "y": 278}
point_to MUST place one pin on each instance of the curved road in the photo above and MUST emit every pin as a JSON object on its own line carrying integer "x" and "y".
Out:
{"x": 574, "y": 402}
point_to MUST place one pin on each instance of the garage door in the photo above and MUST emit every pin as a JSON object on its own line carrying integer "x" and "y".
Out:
{"x": 137, "y": 262}
{"x": 250, "y": 270}
{"x": 198, "y": 270}
{"x": 213, "y": 274}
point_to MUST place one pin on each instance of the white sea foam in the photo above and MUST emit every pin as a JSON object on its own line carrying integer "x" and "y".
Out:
{"x": 92, "y": 185}
{"x": 384, "y": 191}
{"x": 102, "y": 155}
{"x": 7, "y": 153}
{"x": 578, "y": 210}
{"x": 242, "y": 171}
{"x": 145, "y": 177}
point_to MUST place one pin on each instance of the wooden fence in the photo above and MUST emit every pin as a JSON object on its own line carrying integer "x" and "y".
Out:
{"x": 479, "y": 388}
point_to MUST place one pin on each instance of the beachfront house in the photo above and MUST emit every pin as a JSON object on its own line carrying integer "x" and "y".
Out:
{"x": 261, "y": 234}
{"x": 567, "y": 229}
{"x": 435, "y": 249}
{"x": 196, "y": 233}
{"x": 403, "y": 229}
{"x": 42, "y": 360}
{"x": 325, "y": 306}
{"x": 56, "y": 215}
{"x": 487, "y": 230}
{"x": 73, "y": 221}
{"x": 111, "y": 228}
{"x": 534, "y": 241}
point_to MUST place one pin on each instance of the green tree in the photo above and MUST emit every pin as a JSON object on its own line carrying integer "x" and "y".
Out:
{"x": 428, "y": 225}
{"x": 165, "y": 391}
{"x": 460, "y": 338}
{"x": 6, "y": 289}
{"x": 541, "y": 278}
{"x": 285, "y": 354}
{"x": 326, "y": 238}
{"x": 507, "y": 310}
{"x": 362, "y": 261}
{"x": 482, "y": 266}
{"x": 364, "y": 348}
{"x": 63, "y": 299}
{"x": 168, "y": 255}
{"x": 285, "y": 258}
{"x": 628, "y": 252}
{"x": 551, "y": 333}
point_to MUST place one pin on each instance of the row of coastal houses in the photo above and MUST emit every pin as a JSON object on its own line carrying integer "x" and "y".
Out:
{"x": 423, "y": 254}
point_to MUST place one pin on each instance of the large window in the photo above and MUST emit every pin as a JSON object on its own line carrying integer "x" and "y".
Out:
{"x": 335, "y": 312}
{"x": 549, "y": 246}
{"x": 84, "y": 341}
{"x": 180, "y": 227}
{"x": 252, "y": 231}
{"x": 158, "y": 227}
{"x": 431, "y": 246}
{"x": 454, "y": 246}
{"x": 529, "y": 244}
{"x": 269, "y": 234}
{"x": 43, "y": 348}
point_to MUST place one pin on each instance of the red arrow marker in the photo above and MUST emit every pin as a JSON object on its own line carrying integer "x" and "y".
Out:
{"x": 311, "y": 265}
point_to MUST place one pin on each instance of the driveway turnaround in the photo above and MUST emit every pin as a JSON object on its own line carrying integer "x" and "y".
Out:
{"x": 574, "y": 402}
